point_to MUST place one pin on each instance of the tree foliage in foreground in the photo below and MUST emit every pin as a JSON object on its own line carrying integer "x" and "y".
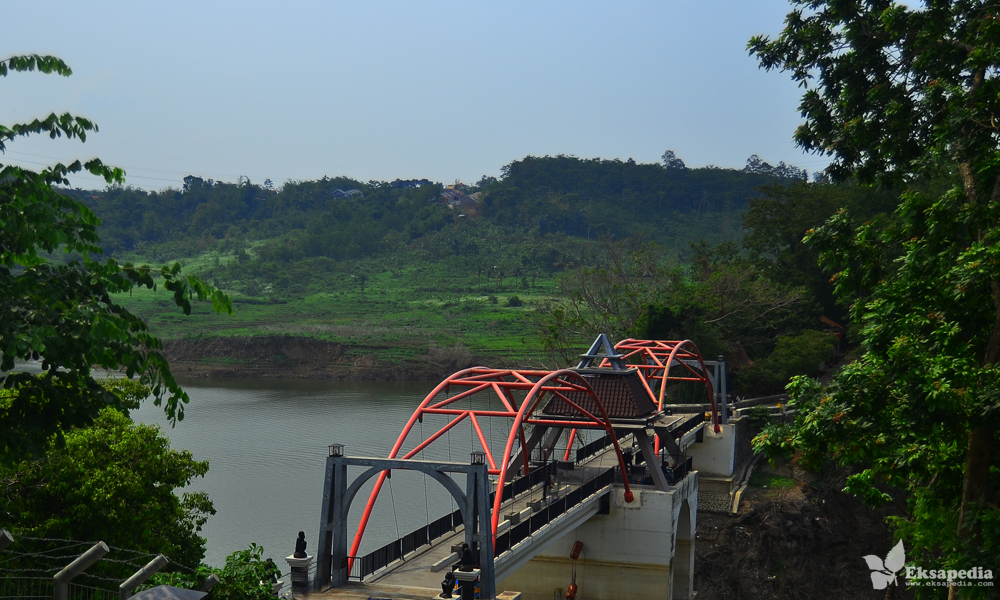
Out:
{"x": 114, "y": 481}
{"x": 895, "y": 93}
{"x": 117, "y": 481}
{"x": 64, "y": 313}
{"x": 779, "y": 218}
{"x": 245, "y": 576}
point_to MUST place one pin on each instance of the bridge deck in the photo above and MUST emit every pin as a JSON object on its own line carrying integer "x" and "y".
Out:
{"x": 415, "y": 568}
{"x": 376, "y": 591}
{"x": 414, "y": 571}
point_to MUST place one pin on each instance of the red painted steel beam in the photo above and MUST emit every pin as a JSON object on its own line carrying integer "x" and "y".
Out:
{"x": 501, "y": 382}
{"x": 666, "y": 354}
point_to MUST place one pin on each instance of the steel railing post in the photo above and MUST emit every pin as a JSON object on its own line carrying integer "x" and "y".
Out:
{"x": 487, "y": 577}
{"x": 82, "y": 563}
{"x": 140, "y": 576}
{"x": 6, "y": 539}
{"x": 327, "y": 523}
{"x": 720, "y": 370}
{"x": 210, "y": 582}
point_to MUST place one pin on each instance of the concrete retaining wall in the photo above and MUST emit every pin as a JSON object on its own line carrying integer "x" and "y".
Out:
{"x": 640, "y": 550}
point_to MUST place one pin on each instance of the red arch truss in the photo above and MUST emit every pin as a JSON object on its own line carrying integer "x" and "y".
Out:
{"x": 655, "y": 359}
{"x": 536, "y": 386}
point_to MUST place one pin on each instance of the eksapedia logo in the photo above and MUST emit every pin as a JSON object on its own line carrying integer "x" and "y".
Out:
{"x": 885, "y": 572}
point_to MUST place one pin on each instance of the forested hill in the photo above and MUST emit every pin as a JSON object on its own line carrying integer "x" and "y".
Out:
{"x": 588, "y": 197}
{"x": 420, "y": 277}
{"x": 341, "y": 218}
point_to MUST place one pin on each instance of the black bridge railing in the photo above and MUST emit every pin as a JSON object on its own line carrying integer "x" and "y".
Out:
{"x": 382, "y": 557}
{"x": 520, "y": 532}
{"x": 373, "y": 561}
{"x": 682, "y": 470}
{"x": 639, "y": 474}
{"x": 694, "y": 421}
{"x": 596, "y": 446}
{"x": 523, "y": 484}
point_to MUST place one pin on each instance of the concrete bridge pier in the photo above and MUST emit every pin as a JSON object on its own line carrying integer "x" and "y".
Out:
{"x": 637, "y": 551}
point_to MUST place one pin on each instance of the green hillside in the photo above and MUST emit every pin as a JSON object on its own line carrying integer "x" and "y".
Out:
{"x": 413, "y": 266}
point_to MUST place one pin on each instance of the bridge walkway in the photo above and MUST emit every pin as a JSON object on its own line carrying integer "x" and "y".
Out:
{"x": 578, "y": 497}
{"x": 515, "y": 543}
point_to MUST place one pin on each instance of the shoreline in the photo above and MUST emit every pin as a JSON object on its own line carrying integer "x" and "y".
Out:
{"x": 293, "y": 357}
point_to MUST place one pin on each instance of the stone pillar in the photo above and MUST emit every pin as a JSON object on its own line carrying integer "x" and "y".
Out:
{"x": 300, "y": 573}
{"x": 467, "y": 582}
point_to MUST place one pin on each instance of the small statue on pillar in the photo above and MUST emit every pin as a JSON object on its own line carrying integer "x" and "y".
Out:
{"x": 300, "y": 546}
{"x": 448, "y": 585}
{"x": 468, "y": 560}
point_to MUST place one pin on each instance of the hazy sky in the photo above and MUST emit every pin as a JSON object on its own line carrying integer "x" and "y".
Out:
{"x": 385, "y": 90}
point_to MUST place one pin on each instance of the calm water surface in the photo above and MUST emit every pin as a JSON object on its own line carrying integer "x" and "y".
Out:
{"x": 266, "y": 443}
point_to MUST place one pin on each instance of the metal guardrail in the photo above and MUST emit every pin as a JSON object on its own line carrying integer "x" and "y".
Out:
{"x": 42, "y": 587}
{"x": 26, "y": 587}
{"x": 86, "y": 592}
{"x": 283, "y": 589}
{"x": 639, "y": 474}
{"x": 694, "y": 421}
{"x": 733, "y": 402}
{"x": 680, "y": 472}
{"x": 363, "y": 566}
{"x": 523, "y": 484}
{"x": 520, "y": 532}
{"x": 380, "y": 558}
{"x": 585, "y": 452}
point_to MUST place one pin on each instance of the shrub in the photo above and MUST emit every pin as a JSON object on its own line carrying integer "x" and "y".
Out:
{"x": 793, "y": 355}
{"x": 514, "y": 302}
{"x": 246, "y": 576}
{"x": 456, "y": 357}
{"x": 801, "y": 354}
{"x": 760, "y": 417}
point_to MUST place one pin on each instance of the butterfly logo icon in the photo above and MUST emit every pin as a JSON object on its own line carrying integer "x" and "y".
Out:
{"x": 884, "y": 573}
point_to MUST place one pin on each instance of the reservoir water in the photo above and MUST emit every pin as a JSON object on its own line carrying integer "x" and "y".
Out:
{"x": 266, "y": 442}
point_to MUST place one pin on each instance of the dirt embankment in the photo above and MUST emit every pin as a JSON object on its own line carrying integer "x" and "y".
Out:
{"x": 305, "y": 358}
{"x": 805, "y": 541}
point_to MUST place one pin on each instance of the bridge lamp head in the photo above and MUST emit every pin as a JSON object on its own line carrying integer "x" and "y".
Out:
{"x": 479, "y": 457}
{"x": 336, "y": 450}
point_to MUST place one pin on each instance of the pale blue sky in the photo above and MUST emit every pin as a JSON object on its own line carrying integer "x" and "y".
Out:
{"x": 380, "y": 90}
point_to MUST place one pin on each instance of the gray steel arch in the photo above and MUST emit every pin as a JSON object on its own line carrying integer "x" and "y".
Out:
{"x": 338, "y": 496}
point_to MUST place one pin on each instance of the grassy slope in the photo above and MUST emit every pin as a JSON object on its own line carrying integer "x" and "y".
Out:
{"x": 292, "y": 274}
{"x": 398, "y": 312}
{"x": 409, "y": 306}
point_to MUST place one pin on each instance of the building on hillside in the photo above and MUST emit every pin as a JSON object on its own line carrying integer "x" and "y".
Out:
{"x": 468, "y": 205}
{"x": 339, "y": 193}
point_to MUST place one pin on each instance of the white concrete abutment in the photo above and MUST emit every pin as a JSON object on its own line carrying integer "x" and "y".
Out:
{"x": 637, "y": 551}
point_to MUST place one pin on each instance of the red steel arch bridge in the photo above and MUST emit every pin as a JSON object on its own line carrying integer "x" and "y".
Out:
{"x": 616, "y": 392}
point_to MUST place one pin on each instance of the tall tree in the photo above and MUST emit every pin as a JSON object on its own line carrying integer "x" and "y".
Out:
{"x": 63, "y": 312}
{"x": 777, "y": 221}
{"x": 893, "y": 93}
{"x": 673, "y": 162}
{"x": 610, "y": 298}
